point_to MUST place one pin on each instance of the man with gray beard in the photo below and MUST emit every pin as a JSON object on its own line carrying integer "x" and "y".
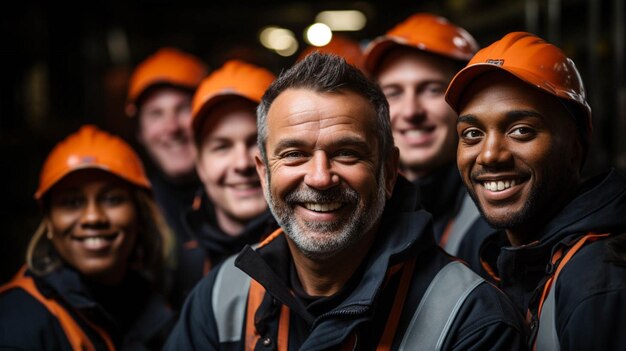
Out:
{"x": 357, "y": 266}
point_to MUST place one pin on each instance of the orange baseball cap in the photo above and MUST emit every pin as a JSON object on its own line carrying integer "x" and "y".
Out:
{"x": 426, "y": 32}
{"x": 234, "y": 78}
{"x": 533, "y": 61}
{"x": 90, "y": 148}
{"x": 341, "y": 46}
{"x": 166, "y": 66}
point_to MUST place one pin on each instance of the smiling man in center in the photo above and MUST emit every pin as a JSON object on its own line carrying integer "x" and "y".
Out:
{"x": 354, "y": 258}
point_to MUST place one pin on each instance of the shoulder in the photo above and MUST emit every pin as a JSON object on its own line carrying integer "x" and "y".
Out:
{"x": 197, "y": 327}
{"x": 589, "y": 273}
{"x": 27, "y": 324}
{"x": 589, "y": 289}
{"x": 487, "y": 320}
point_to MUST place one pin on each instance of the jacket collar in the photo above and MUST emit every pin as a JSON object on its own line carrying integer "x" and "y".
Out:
{"x": 201, "y": 224}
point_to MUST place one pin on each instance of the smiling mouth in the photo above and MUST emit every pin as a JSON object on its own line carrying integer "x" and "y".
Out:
{"x": 322, "y": 207}
{"x": 95, "y": 242}
{"x": 246, "y": 186}
{"x": 499, "y": 185}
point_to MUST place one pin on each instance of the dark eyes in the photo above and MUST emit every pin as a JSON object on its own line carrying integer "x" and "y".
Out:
{"x": 471, "y": 134}
{"x": 109, "y": 199}
{"x": 344, "y": 155}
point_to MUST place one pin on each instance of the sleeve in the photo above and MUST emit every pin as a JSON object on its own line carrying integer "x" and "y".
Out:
{"x": 25, "y": 324}
{"x": 196, "y": 328}
{"x": 487, "y": 321}
{"x": 597, "y": 323}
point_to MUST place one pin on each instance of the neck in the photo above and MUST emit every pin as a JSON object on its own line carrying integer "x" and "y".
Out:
{"x": 326, "y": 276}
{"x": 228, "y": 224}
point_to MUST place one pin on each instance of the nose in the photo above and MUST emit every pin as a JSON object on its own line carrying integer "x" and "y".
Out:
{"x": 172, "y": 122}
{"x": 494, "y": 151}
{"x": 93, "y": 215}
{"x": 243, "y": 158}
{"x": 319, "y": 174}
{"x": 411, "y": 107}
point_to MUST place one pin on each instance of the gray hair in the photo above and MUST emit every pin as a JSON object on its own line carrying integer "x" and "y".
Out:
{"x": 327, "y": 73}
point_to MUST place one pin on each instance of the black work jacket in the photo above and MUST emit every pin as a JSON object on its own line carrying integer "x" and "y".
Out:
{"x": 591, "y": 289}
{"x": 207, "y": 245}
{"x": 486, "y": 321}
{"x": 132, "y": 315}
{"x": 442, "y": 194}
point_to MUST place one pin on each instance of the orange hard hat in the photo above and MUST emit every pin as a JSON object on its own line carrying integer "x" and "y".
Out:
{"x": 533, "y": 61}
{"x": 341, "y": 46}
{"x": 234, "y": 78}
{"x": 426, "y": 32}
{"x": 167, "y": 66}
{"x": 88, "y": 148}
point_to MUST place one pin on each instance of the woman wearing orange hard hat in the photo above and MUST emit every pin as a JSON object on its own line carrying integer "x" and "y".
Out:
{"x": 94, "y": 264}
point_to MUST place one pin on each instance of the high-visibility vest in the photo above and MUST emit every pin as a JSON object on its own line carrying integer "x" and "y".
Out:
{"x": 234, "y": 293}
{"x": 547, "y": 338}
{"x": 74, "y": 333}
{"x": 457, "y": 227}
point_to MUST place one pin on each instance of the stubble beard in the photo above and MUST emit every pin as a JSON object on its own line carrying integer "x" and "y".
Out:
{"x": 319, "y": 240}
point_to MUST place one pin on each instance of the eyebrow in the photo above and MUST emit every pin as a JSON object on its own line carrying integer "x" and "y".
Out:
{"x": 510, "y": 116}
{"x": 346, "y": 141}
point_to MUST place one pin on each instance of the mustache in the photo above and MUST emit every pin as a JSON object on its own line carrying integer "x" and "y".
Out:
{"x": 336, "y": 194}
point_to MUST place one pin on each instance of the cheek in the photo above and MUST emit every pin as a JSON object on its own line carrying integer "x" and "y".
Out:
{"x": 61, "y": 221}
{"x": 214, "y": 168}
{"x": 124, "y": 217}
{"x": 284, "y": 179}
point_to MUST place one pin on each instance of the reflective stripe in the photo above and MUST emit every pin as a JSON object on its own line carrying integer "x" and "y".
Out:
{"x": 547, "y": 338}
{"x": 74, "y": 333}
{"x": 229, "y": 300}
{"x": 439, "y": 306}
{"x": 462, "y": 223}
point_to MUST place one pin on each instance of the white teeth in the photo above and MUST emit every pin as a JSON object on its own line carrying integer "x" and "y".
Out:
{"x": 94, "y": 243}
{"x": 325, "y": 207}
{"x": 498, "y": 185}
{"x": 414, "y": 133}
{"x": 244, "y": 186}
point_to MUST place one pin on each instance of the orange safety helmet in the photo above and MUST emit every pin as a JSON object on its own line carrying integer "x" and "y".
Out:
{"x": 234, "y": 78}
{"x": 91, "y": 147}
{"x": 341, "y": 46}
{"x": 167, "y": 66}
{"x": 533, "y": 61}
{"x": 426, "y": 32}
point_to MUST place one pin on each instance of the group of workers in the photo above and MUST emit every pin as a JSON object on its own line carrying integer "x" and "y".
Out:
{"x": 427, "y": 196}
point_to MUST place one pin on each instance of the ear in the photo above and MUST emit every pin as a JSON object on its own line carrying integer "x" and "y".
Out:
{"x": 261, "y": 169}
{"x": 391, "y": 171}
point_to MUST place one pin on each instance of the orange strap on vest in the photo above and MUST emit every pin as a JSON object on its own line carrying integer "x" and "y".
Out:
{"x": 256, "y": 293}
{"x": 590, "y": 237}
{"x": 74, "y": 333}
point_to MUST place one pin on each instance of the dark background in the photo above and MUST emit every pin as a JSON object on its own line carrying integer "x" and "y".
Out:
{"x": 63, "y": 66}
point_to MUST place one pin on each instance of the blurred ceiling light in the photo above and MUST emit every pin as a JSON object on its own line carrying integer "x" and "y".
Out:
{"x": 318, "y": 34}
{"x": 291, "y": 46}
{"x": 276, "y": 38}
{"x": 348, "y": 20}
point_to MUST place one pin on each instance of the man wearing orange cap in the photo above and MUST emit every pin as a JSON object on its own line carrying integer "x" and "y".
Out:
{"x": 413, "y": 63}
{"x": 231, "y": 211}
{"x": 524, "y": 127}
{"x": 159, "y": 98}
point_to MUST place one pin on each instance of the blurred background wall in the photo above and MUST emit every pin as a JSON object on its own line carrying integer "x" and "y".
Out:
{"x": 66, "y": 66}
